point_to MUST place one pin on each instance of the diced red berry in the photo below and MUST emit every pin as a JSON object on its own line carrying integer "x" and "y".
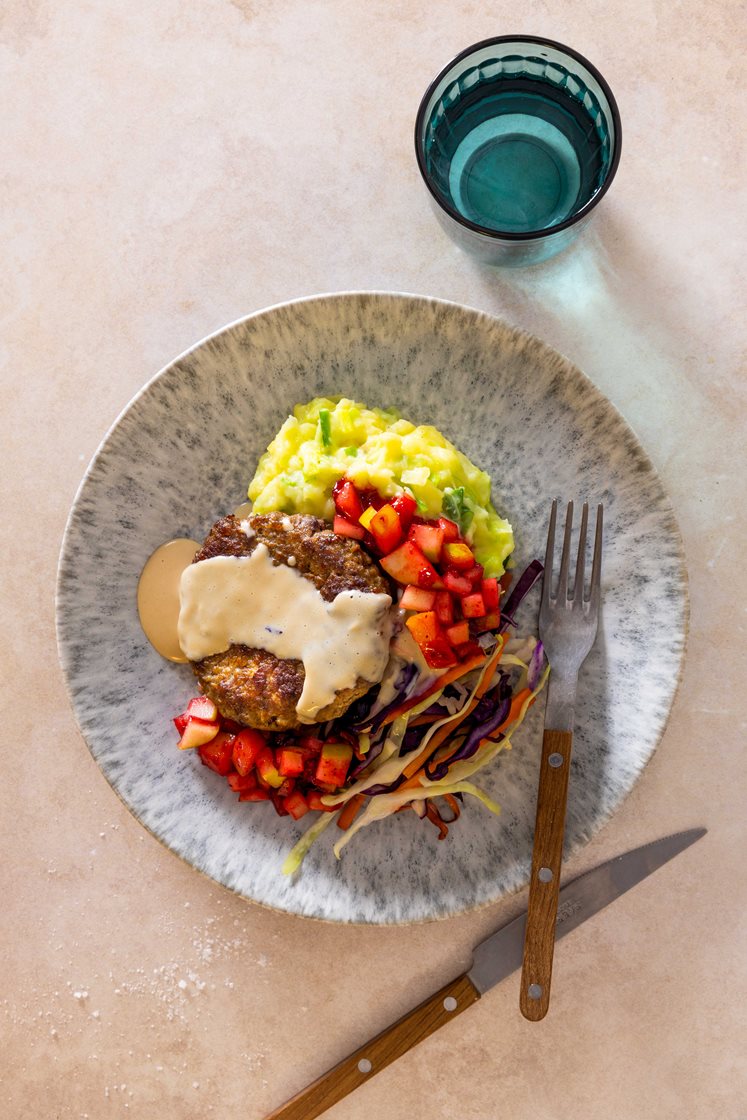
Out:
{"x": 217, "y": 754}
{"x": 405, "y": 506}
{"x": 332, "y": 767}
{"x": 458, "y": 634}
{"x": 202, "y": 707}
{"x": 296, "y": 804}
{"x": 254, "y": 795}
{"x": 418, "y": 599}
{"x": 457, "y": 584}
{"x": 473, "y": 605}
{"x": 429, "y": 539}
{"x": 347, "y": 499}
{"x": 491, "y": 594}
{"x": 345, "y": 528}
{"x": 240, "y": 784}
{"x": 289, "y": 762}
{"x": 407, "y": 564}
{"x": 246, "y": 749}
{"x": 444, "y": 608}
{"x": 450, "y": 529}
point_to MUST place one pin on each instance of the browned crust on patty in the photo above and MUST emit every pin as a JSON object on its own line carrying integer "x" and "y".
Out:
{"x": 252, "y": 686}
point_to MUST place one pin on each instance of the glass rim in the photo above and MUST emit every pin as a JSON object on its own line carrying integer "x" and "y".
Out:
{"x": 547, "y": 231}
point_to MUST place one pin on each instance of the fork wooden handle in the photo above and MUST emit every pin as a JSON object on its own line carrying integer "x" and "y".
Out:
{"x": 392, "y": 1043}
{"x": 547, "y": 856}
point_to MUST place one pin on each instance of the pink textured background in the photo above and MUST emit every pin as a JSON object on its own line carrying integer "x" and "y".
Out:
{"x": 166, "y": 168}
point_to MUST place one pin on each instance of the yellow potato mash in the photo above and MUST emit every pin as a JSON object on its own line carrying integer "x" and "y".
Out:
{"x": 332, "y": 437}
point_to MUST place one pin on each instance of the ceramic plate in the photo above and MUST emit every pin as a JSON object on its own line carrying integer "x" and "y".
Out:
{"x": 182, "y": 454}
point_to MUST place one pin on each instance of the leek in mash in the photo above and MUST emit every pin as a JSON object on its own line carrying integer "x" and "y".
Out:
{"x": 332, "y": 437}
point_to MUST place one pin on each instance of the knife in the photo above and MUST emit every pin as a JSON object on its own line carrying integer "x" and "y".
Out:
{"x": 495, "y": 958}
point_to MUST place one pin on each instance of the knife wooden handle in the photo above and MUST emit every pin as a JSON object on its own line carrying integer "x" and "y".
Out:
{"x": 542, "y": 909}
{"x": 392, "y": 1043}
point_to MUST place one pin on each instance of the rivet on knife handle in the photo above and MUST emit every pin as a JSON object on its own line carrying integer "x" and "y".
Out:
{"x": 391, "y": 1044}
{"x": 542, "y": 909}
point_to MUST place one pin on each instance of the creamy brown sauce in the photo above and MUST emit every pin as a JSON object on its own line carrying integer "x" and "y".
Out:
{"x": 248, "y": 600}
{"x": 158, "y": 595}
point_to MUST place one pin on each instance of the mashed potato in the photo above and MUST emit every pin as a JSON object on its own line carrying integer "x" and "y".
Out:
{"x": 329, "y": 438}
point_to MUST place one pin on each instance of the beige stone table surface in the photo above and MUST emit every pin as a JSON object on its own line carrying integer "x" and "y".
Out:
{"x": 168, "y": 167}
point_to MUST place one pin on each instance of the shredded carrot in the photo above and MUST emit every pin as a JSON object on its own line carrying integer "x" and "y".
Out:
{"x": 432, "y": 814}
{"x": 448, "y": 677}
{"x": 349, "y": 811}
{"x": 421, "y": 721}
{"x": 453, "y": 804}
{"x": 517, "y": 704}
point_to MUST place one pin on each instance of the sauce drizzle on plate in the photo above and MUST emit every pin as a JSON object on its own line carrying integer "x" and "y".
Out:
{"x": 158, "y": 595}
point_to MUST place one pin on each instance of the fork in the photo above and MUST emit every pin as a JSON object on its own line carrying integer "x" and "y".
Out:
{"x": 567, "y": 629}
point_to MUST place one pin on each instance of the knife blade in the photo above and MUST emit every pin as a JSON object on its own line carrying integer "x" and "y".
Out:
{"x": 494, "y": 959}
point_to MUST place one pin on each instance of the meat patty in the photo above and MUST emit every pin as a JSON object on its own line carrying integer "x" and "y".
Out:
{"x": 252, "y": 686}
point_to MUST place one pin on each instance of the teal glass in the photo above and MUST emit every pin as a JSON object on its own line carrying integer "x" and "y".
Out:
{"x": 517, "y": 140}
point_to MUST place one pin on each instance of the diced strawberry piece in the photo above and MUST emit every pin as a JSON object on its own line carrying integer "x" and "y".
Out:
{"x": 429, "y": 539}
{"x": 332, "y": 767}
{"x": 266, "y": 768}
{"x": 254, "y": 795}
{"x": 459, "y": 633}
{"x": 386, "y": 528}
{"x": 231, "y": 725}
{"x": 310, "y": 745}
{"x": 314, "y": 801}
{"x": 347, "y": 499}
{"x": 201, "y": 707}
{"x": 474, "y": 575}
{"x": 444, "y": 608}
{"x": 289, "y": 784}
{"x": 196, "y": 732}
{"x": 418, "y": 599}
{"x": 296, "y": 804}
{"x": 370, "y": 496}
{"x": 407, "y": 564}
{"x": 289, "y": 762}
{"x": 180, "y": 722}
{"x": 241, "y": 784}
{"x": 345, "y": 528}
{"x": 279, "y": 803}
{"x": 457, "y": 584}
{"x": 246, "y": 749}
{"x": 439, "y": 654}
{"x": 427, "y": 632}
{"x": 491, "y": 621}
{"x": 405, "y": 506}
{"x": 469, "y": 650}
{"x": 473, "y": 605}
{"x": 217, "y": 753}
{"x": 491, "y": 593}
{"x": 450, "y": 529}
{"x": 458, "y": 555}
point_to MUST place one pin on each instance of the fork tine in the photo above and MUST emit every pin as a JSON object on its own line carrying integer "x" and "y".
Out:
{"x": 562, "y": 592}
{"x": 578, "y": 587}
{"x": 549, "y": 552}
{"x": 596, "y": 565}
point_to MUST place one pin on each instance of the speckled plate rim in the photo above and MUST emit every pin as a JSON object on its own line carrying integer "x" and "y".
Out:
{"x": 435, "y": 302}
